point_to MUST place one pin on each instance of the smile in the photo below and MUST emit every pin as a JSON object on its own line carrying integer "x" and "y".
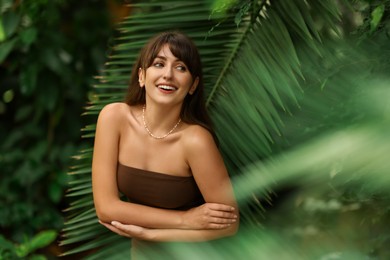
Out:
{"x": 167, "y": 87}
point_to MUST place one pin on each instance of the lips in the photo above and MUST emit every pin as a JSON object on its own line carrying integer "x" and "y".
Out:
{"x": 166, "y": 87}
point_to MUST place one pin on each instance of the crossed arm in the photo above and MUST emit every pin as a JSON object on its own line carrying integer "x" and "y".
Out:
{"x": 164, "y": 235}
{"x": 178, "y": 233}
{"x": 218, "y": 217}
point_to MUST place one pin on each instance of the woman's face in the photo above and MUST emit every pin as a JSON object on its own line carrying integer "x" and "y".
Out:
{"x": 168, "y": 79}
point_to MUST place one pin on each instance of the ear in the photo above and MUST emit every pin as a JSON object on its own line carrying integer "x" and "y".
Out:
{"x": 141, "y": 77}
{"x": 194, "y": 86}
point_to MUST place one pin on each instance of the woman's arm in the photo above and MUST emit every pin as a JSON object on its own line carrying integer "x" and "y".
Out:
{"x": 211, "y": 177}
{"x": 166, "y": 235}
{"x": 213, "y": 181}
{"x": 105, "y": 192}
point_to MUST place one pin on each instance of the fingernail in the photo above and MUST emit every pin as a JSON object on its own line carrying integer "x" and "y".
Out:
{"x": 114, "y": 223}
{"x": 232, "y": 208}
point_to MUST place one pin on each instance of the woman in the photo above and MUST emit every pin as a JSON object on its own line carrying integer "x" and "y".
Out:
{"x": 159, "y": 150}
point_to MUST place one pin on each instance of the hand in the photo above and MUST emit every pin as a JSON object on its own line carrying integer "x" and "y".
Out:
{"x": 127, "y": 230}
{"x": 209, "y": 216}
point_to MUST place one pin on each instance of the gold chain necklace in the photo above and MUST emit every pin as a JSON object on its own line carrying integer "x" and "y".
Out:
{"x": 150, "y": 133}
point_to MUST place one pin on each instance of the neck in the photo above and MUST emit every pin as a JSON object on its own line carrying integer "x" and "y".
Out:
{"x": 160, "y": 120}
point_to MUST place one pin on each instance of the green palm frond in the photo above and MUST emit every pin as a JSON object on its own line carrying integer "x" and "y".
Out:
{"x": 252, "y": 76}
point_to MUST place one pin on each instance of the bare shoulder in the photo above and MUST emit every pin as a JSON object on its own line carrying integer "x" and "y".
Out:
{"x": 197, "y": 138}
{"x": 113, "y": 112}
{"x": 114, "y": 109}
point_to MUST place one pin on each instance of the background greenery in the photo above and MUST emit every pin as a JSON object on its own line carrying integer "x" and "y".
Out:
{"x": 298, "y": 91}
{"x": 49, "y": 53}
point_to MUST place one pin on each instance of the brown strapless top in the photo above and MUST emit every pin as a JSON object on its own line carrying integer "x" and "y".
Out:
{"x": 157, "y": 189}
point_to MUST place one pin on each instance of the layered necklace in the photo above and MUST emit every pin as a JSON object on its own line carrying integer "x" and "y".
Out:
{"x": 150, "y": 133}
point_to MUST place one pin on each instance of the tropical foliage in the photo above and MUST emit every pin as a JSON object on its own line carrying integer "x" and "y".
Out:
{"x": 287, "y": 89}
{"x": 49, "y": 52}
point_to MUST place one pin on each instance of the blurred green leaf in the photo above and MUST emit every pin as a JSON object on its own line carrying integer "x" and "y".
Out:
{"x": 10, "y": 21}
{"x": 5, "y": 5}
{"x": 29, "y": 36}
{"x": 40, "y": 240}
{"x": 37, "y": 257}
{"x": 223, "y": 5}
{"x": 243, "y": 11}
{"x": 6, "y": 47}
{"x": 43, "y": 239}
{"x": 376, "y": 17}
{"x": 2, "y": 33}
{"x": 55, "y": 192}
{"x": 7, "y": 249}
{"x": 8, "y": 96}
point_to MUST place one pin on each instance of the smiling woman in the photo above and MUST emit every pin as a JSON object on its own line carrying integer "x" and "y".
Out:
{"x": 167, "y": 78}
{"x": 158, "y": 148}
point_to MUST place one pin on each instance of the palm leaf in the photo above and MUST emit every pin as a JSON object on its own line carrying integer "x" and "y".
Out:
{"x": 252, "y": 76}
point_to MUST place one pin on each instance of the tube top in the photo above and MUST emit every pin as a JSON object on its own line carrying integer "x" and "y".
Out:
{"x": 157, "y": 189}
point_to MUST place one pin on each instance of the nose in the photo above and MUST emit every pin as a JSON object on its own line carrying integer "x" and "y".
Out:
{"x": 167, "y": 72}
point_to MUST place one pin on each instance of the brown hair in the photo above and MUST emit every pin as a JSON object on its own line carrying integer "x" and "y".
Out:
{"x": 193, "y": 110}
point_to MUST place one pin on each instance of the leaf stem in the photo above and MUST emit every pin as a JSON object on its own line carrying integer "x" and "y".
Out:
{"x": 233, "y": 54}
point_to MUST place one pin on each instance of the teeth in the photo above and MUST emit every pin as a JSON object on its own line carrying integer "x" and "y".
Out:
{"x": 165, "y": 87}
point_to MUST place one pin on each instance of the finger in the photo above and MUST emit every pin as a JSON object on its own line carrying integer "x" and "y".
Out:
{"x": 132, "y": 230}
{"x": 115, "y": 230}
{"x": 117, "y": 224}
{"x": 220, "y": 207}
{"x": 129, "y": 229}
{"x": 101, "y": 222}
{"x": 106, "y": 225}
{"x": 218, "y": 226}
{"x": 223, "y": 220}
{"x": 121, "y": 228}
{"x": 223, "y": 214}
{"x": 121, "y": 233}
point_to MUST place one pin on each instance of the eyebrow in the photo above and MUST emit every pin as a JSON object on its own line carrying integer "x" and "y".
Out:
{"x": 165, "y": 58}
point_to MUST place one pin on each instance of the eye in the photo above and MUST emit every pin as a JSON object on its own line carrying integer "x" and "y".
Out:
{"x": 181, "y": 67}
{"x": 158, "y": 64}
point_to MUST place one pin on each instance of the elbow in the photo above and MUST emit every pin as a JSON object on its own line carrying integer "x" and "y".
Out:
{"x": 106, "y": 207}
{"x": 104, "y": 213}
{"x": 233, "y": 230}
{"x": 229, "y": 232}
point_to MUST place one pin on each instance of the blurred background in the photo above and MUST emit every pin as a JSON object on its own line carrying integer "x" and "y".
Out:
{"x": 50, "y": 50}
{"x": 306, "y": 137}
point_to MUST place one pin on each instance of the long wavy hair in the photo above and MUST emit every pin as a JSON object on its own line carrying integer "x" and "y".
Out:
{"x": 182, "y": 47}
